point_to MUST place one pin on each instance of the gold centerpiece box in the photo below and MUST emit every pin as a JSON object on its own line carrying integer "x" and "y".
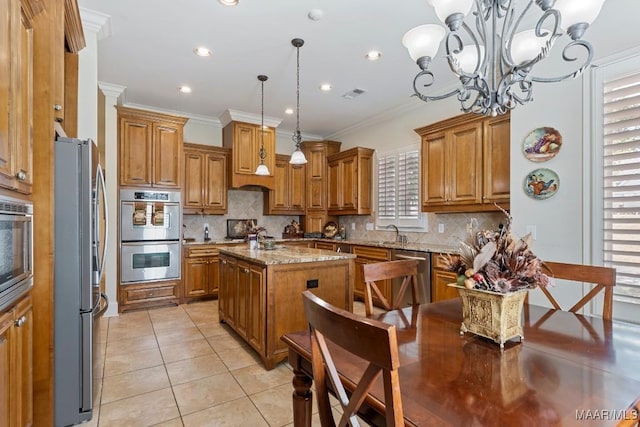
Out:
{"x": 495, "y": 270}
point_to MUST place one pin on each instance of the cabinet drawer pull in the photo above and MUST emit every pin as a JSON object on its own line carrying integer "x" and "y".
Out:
{"x": 22, "y": 175}
{"x": 21, "y": 321}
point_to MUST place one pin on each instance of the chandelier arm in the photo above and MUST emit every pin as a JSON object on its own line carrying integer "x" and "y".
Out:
{"x": 424, "y": 97}
{"x": 583, "y": 43}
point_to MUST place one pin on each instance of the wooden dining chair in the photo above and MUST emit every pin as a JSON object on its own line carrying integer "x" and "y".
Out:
{"x": 389, "y": 270}
{"x": 604, "y": 279}
{"x": 631, "y": 415}
{"x": 369, "y": 339}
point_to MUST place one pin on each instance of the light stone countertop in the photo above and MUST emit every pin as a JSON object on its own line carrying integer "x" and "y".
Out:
{"x": 420, "y": 247}
{"x": 283, "y": 255}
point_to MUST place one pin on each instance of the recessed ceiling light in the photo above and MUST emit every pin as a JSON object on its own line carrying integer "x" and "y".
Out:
{"x": 288, "y": 111}
{"x": 325, "y": 87}
{"x": 315, "y": 14}
{"x": 184, "y": 89}
{"x": 202, "y": 51}
{"x": 373, "y": 55}
{"x": 229, "y": 2}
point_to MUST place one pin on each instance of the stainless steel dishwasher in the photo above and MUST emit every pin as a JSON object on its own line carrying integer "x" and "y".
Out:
{"x": 424, "y": 275}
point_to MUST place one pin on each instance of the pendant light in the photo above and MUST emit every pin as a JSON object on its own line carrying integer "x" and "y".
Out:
{"x": 262, "y": 168}
{"x": 297, "y": 158}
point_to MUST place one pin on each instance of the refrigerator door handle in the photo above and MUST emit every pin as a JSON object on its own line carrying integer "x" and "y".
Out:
{"x": 101, "y": 311}
{"x": 103, "y": 256}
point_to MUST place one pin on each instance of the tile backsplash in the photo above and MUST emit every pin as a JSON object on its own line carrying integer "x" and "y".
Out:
{"x": 249, "y": 204}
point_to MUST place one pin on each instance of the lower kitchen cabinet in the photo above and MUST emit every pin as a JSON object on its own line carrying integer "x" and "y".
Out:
{"x": 262, "y": 302}
{"x": 370, "y": 255}
{"x": 200, "y": 272}
{"x": 242, "y": 300}
{"x": 16, "y": 364}
{"x": 149, "y": 295}
{"x": 440, "y": 278}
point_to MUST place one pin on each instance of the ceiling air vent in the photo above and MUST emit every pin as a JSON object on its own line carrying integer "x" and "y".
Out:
{"x": 353, "y": 93}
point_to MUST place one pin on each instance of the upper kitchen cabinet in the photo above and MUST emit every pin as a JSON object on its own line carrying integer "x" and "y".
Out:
{"x": 16, "y": 93}
{"x": 288, "y": 196}
{"x": 245, "y": 140}
{"x": 349, "y": 180}
{"x": 316, "y": 211}
{"x": 465, "y": 164}
{"x": 205, "y": 180}
{"x": 151, "y": 148}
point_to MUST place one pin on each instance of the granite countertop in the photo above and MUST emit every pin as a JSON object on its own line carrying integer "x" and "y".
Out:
{"x": 420, "y": 247}
{"x": 283, "y": 255}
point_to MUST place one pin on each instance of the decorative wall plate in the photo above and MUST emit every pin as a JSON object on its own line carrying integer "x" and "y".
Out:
{"x": 541, "y": 184}
{"x": 542, "y": 144}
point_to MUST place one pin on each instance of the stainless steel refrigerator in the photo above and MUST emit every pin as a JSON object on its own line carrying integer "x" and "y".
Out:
{"x": 79, "y": 259}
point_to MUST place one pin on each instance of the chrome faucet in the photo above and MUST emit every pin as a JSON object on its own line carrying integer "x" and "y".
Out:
{"x": 401, "y": 238}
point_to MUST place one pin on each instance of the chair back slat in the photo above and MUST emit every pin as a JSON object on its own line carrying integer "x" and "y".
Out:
{"x": 604, "y": 279}
{"x": 389, "y": 270}
{"x": 369, "y": 339}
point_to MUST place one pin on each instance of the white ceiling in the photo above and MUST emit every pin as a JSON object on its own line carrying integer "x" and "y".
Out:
{"x": 150, "y": 52}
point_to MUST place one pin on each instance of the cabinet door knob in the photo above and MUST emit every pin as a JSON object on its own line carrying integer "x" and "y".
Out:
{"x": 57, "y": 107}
{"x": 246, "y": 270}
{"x": 21, "y": 321}
{"x": 21, "y": 175}
{"x": 224, "y": 261}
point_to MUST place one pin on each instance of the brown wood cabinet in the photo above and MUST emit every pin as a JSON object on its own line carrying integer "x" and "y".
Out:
{"x": 150, "y": 148}
{"x": 16, "y": 364}
{"x": 369, "y": 255}
{"x": 288, "y": 195}
{"x": 439, "y": 280}
{"x": 200, "y": 269}
{"x": 242, "y": 299}
{"x": 149, "y": 295}
{"x": 16, "y": 94}
{"x": 262, "y": 302}
{"x": 349, "y": 180}
{"x": 316, "y": 212}
{"x": 465, "y": 164}
{"x": 244, "y": 140}
{"x": 205, "y": 180}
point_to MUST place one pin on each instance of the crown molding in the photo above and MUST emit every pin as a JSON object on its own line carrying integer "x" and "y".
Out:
{"x": 96, "y": 22}
{"x": 196, "y": 118}
{"x": 239, "y": 116}
{"x": 113, "y": 90}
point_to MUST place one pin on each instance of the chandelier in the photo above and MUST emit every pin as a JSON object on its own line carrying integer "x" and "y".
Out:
{"x": 262, "y": 169}
{"x": 297, "y": 158}
{"x": 495, "y": 68}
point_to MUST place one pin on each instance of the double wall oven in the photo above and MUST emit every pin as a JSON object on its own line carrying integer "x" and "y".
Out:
{"x": 149, "y": 235}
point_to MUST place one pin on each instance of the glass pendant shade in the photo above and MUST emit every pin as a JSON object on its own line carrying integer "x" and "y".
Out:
{"x": 446, "y": 8}
{"x": 577, "y": 11}
{"x": 525, "y": 46}
{"x": 262, "y": 170}
{"x": 298, "y": 158}
{"x": 423, "y": 40}
{"x": 468, "y": 58}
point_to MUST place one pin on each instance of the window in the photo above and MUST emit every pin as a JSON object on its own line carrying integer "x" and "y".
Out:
{"x": 616, "y": 176}
{"x": 399, "y": 189}
{"x": 621, "y": 183}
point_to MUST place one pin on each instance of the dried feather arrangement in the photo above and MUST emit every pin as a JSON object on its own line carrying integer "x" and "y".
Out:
{"x": 497, "y": 261}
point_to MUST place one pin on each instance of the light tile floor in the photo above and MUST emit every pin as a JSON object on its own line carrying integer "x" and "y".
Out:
{"x": 180, "y": 366}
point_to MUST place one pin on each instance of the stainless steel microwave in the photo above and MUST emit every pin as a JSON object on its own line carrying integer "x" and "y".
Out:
{"x": 16, "y": 249}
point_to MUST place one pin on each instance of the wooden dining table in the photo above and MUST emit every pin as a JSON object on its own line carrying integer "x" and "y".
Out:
{"x": 569, "y": 370}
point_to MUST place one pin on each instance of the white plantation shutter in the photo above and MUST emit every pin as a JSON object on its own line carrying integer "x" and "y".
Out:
{"x": 621, "y": 184}
{"x": 399, "y": 189}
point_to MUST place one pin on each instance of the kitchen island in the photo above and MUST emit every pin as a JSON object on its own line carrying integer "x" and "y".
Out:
{"x": 260, "y": 293}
